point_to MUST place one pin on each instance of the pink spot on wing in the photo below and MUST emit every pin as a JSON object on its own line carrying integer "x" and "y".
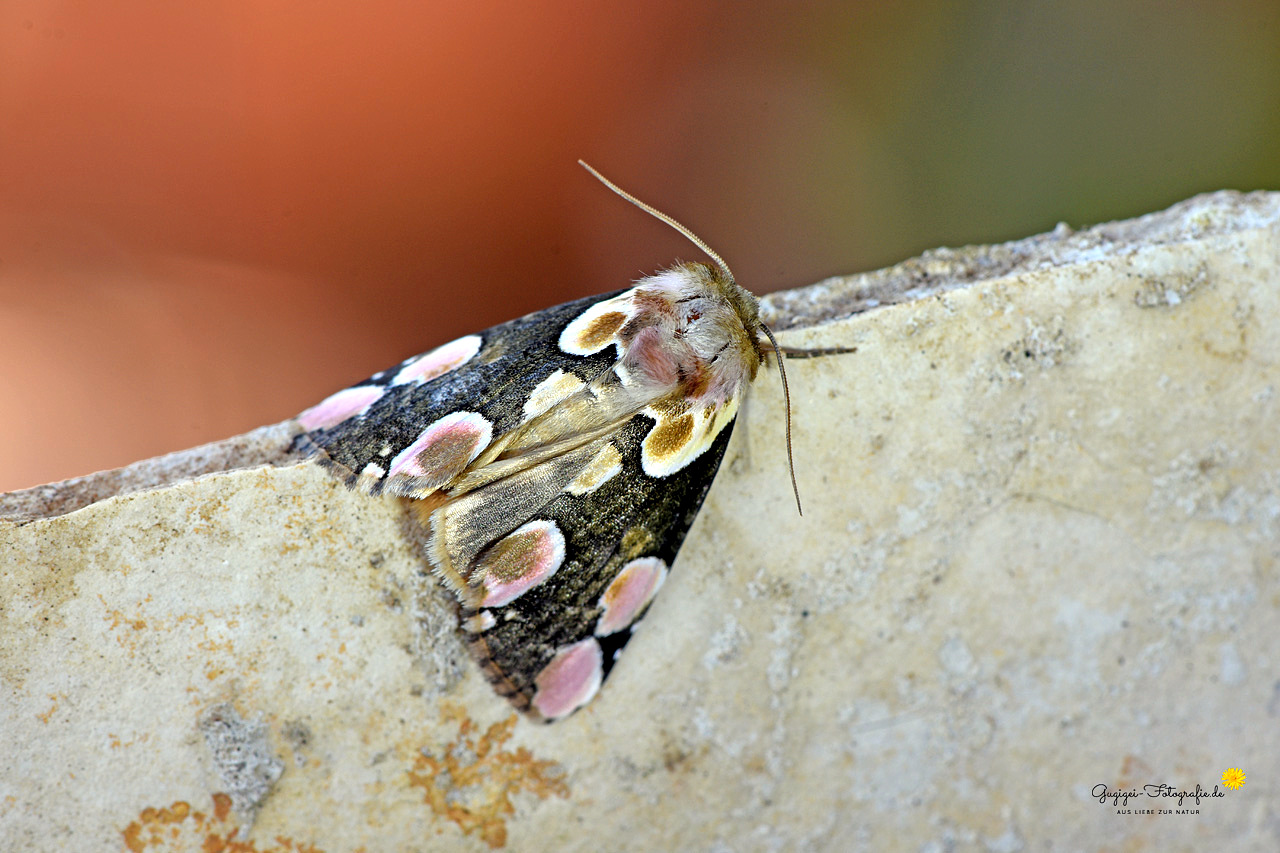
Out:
{"x": 443, "y": 449}
{"x": 629, "y": 594}
{"x": 570, "y": 680}
{"x": 439, "y": 361}
{"x": 520, "y": 561}
{"x": 339, "y": 407}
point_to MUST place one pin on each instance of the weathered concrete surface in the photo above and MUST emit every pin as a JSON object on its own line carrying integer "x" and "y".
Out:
{"x": 1039, "y": 554}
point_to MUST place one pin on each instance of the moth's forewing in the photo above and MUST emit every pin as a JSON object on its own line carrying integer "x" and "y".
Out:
{"x": 557, "y": 461}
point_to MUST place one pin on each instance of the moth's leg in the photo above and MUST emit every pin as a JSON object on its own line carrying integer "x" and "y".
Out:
{"x": 815, "y": 352}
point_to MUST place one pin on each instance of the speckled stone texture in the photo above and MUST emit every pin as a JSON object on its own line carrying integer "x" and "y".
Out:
{"x": 1039, "y": 554}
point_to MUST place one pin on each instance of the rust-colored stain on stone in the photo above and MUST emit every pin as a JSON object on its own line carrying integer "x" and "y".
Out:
{"x": 117, "y": 618}
{"x": 180, "y": 828}
{"x": 54, "y": 698}
{"x": 472, "y": 781}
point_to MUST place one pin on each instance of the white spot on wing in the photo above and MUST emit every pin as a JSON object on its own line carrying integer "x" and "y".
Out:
{"x": 603, "y": 467}
{"x": 479, "y": 623}
{"x": 570, "y": 680}
{"x": 439, "y": 361}
{"x": 663, "y": 462}
{"x": 629, "y": 594}
{"x": 346, "y": 404}
{"x": 554, "y": 389}
{"x": 576, "y": 340}
{"x": 521, "y": 560}
{"x": 443, "y": 449}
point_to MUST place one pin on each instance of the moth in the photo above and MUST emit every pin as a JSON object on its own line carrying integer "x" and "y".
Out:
{"x": 557, "y": 461}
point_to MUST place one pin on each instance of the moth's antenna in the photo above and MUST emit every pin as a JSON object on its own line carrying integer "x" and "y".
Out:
{"x": 658, "y": 214}
{"x": 786, "y": 396}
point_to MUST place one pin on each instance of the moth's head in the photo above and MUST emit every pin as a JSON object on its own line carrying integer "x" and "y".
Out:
{"x": 740, "y": 323}
{"x": 695, "y": 331}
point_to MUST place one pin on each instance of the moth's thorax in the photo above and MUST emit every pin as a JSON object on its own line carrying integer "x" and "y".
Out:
{"x": 694, "y": 330}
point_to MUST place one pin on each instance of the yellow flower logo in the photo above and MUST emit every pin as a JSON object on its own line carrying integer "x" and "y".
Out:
{"x": 1233, "y": 778}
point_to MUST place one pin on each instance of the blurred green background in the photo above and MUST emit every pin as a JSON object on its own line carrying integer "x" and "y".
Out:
{"x": 212, "y": 214}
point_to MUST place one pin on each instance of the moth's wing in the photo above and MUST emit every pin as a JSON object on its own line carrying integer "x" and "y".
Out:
{"x": 551, "y": 604}
{"x": 450, "y": 402}
{"x": 559, "y": 460}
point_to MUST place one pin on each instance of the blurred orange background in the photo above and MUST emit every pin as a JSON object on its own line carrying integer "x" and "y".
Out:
{"x": 213, "y": 214}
